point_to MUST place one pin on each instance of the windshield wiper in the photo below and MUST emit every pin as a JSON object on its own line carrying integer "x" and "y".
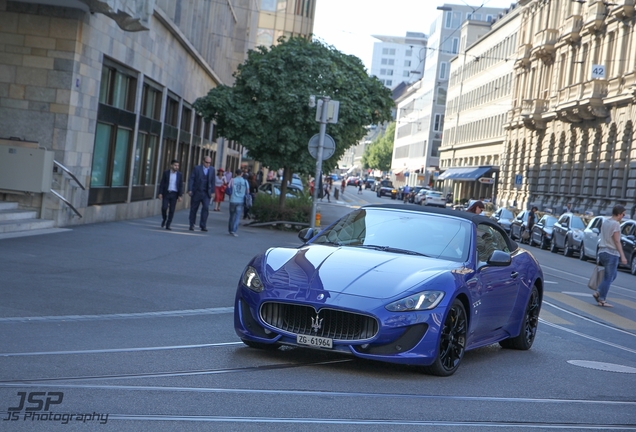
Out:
{"x": 392, "y": 249}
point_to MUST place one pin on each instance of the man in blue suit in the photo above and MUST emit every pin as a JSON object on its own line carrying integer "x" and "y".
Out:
{"x": 201, "y": 188}
{"x": 170, "y": 191}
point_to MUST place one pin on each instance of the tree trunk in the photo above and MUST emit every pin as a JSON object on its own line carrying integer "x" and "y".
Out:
{"x": 287, "y": 176}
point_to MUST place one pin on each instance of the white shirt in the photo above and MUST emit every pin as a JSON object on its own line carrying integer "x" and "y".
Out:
{"x": 172, "y": 185}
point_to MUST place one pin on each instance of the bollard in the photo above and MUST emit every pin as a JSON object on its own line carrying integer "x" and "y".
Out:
{"x": 336, "y": 193}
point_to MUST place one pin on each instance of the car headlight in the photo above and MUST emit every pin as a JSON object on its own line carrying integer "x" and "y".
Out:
{"x": 251, "y": 279}
{"x": 420, "y": 301}
{"x": 578, "y": 235}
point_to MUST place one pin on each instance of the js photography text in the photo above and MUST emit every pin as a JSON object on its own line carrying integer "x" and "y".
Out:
{"x": 35, "y": 406}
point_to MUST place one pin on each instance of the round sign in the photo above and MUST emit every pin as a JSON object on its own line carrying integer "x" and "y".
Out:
{"x": 328, "y": 148}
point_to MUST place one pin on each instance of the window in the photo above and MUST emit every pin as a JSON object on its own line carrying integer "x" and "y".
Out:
{"x": 436, "y": 145}
{"x": 389, "y": 72}
{"x": 388, "y": 51}
{"x": 268, "y": 5}
{"x": 442, "y": 70}
{"x": 117, "y": 88}
{"x": 453, "y": 20}
{"x": 172, "y": 112}
{"x": 441, "y": 96}
{"x": 488, "y": 241}
{"x": 455, "y": 48}
{"x": 144, "y": 164}
{"x": 382, "y": 71}
{"x": 488, "y": 18}
{"x": 389, "y": 82}
{"x": 438, "y": 125}
{"x": 384, "y": 61}
{"x": 264, "y": 37}
{"x": 407, "y": 63}
{"x": 151, "y": 102}
{"x": 110, "y": 156}
{"x": 186, "y": 117}
{"x": 389, "y": 62}
{"x": 405, "y": 73}
{"x": 408, "y": 53}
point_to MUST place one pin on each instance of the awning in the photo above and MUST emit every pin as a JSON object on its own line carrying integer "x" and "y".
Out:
{"x": 466, "y": 174}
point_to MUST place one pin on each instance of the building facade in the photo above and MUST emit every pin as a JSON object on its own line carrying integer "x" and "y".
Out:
{"x": 398, "y": 59}
{"x": 284, "y": 18}
{"x": 108, "y": 87}
{"x": 570, "y": 132}
{"x": 479, "y": 99}
{"x": 421, "y": 109}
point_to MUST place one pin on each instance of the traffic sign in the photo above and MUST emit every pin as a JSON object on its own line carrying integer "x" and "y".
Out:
{"x": 486, "y": 180}
{"x": 328, "y": 147}
{"x": 518, "y": 180}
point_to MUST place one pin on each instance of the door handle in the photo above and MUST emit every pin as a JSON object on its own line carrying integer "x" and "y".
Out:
{"x": 514, "y": 274}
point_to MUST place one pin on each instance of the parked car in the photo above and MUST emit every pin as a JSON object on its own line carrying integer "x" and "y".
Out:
{"x": 270, "y": 188}
{"x": 353, "y": 181}
{"x": 628, "y": 241}
{"x": 519, "y": 225}
{"x": 434, "y": 198}
{"x": 541, "y": 233}
{"x": 369, "y": 183}
{"x": 367, "y": 287}
{"x": 504, "y": 218}
{"x": 567, "y": 234}
{"x": 589, "y": 242}
{"x": 414, "y": 191}
{"x": 419, "y": 196}
{"x": 385, "y": 188}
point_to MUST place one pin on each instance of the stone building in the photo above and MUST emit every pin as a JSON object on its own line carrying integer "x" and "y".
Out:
{"x": 570, "y": 132}
{"x": 107, "y": 87}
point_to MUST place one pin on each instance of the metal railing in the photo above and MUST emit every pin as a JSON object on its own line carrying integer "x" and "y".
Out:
{"x": 64, "y": 200}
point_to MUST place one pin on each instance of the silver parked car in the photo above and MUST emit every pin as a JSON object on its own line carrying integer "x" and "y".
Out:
{"x": 589, "y": 242}
{"x": 434, "y": 198}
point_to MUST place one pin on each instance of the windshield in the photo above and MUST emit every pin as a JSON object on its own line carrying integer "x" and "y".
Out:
{"x": 386, "y": 183}
{"x": 437, "y": 236}
{"x": 506, "y": 214}
{"x": 550, "y": 221}
{"x": 578, "y": 223}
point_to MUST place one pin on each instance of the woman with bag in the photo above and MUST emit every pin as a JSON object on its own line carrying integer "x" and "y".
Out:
{"x": 610, "y": 251}
{"x": 219, "y": 189}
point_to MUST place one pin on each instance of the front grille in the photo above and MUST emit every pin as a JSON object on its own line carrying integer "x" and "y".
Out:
{"x": 335, "y": 324}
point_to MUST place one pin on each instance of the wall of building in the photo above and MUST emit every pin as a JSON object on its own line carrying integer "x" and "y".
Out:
{"x": 51, "y": 64}
{"x": 571, "y": 136}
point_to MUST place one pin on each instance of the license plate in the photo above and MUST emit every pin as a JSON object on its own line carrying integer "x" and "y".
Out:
{"x": 314, "y": 341}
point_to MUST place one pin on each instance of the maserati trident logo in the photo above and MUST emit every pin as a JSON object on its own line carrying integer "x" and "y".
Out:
{"x": 316, "y": 323}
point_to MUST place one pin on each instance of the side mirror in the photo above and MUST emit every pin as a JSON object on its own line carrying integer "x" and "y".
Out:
{"x": 306, "y": 234}
{"x": 499, "y": 259}
{"x": 595, "y": 231}
{"x": 631, "y": 237}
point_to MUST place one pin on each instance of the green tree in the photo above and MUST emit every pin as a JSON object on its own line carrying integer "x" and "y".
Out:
{"x": 379, "y": 153}
{"x": 266, "y": 110}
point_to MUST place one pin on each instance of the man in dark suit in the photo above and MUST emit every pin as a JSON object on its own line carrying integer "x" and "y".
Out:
{"x": 170, "y": 191}
{"x": 201, "y": 188}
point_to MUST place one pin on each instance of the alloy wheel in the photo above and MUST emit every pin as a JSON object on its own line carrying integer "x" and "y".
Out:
{"x": 453, "y": 338}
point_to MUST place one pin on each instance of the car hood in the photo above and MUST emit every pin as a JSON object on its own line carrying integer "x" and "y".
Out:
{"x": 349, "y": 270}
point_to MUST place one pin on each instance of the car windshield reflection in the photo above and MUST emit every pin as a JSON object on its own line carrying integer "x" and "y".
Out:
{"x": 426, "y": 234}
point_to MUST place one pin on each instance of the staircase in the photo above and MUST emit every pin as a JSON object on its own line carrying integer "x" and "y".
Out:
{"x": 18, "y": 223}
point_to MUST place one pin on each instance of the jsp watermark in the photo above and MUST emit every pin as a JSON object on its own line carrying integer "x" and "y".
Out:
{"x": 35, "y": 406}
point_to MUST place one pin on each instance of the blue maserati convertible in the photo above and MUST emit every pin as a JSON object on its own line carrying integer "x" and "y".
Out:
{"x": 394, "y": 283}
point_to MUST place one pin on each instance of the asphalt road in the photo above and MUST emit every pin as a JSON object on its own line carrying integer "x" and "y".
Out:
{"x": 135, "y": 323}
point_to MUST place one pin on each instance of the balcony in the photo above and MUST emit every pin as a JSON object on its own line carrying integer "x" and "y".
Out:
{"x": 583, "y": 101}
{"x": 545, "y": 45}
{"x": 594, "y": 21}
{"x": 523, "y": 55}
{"x": 571, "y": 29}
{"x": 532, "y": 112}
{"x": 622, "y": 10}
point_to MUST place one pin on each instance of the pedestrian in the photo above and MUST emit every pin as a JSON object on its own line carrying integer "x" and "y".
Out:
{"x": 610, "y": 251}
{"x": 327, "y": 190}
{"x": 359, "y": 187}
{"x": 239, "y": 189}
{"x": 220, "y": 183}
{"x": 201, "y": 188}
{"x": 532, "y": 219}
{"x": 249, "y": 200}
{"x": 259, "y": 177}
{"x": 477, "y": 207}
{"x": 170, "y": 192}
{"x": 405, "y": 193}
{"x": 343, "y": 185}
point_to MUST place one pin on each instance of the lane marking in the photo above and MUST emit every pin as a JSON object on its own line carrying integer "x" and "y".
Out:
{"x": 118, "y": 350}
{"x": 325, "y": 393}
{"x": 172, "y": 313}
{"x": 584, "y": 280}
{"x": 588, "y": 319}
{"x": 574, "y": 332}
{"x": 591, "y": 308}
{"x": 328, "y": 421}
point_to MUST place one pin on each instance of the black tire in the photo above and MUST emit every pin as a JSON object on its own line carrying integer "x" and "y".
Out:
{"x": 452, "y": 342}
{"x": 259, "y": 345}
{"x": 531, "y": 241}
{"x": 529, "y": 327}
{"x": 582, "y": 256}
{"x": 544, "y": 244}
{"x": 567, "y": 249}
{"x": 633, "y": 265}
{"x": 553, "y": 246}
